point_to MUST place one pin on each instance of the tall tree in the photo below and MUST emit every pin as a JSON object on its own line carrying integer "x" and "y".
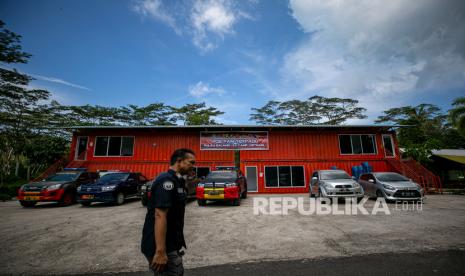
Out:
{"x": 425, "y": 129}
{"x": 196, "y": 114}
{"x": 269, "y": 114}
{"x": 427, "y": 122}
{"x": 457, "y": 114}
{"x": 18, "y": 105}
{"x": 152, "y": 114}
{"x": 315, "y": 110}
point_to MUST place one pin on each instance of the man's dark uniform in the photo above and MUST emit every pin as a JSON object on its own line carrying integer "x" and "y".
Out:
{"x": 168, "y": 192}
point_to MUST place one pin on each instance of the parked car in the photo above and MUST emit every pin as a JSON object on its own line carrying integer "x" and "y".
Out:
{"x": 334, "y": 184}
{"x": 113, "y": 187}
{"x": 60, "y": 187}
{"x": 392, "y": 186}
{"x": 224, "y": 185}
{"x": 191, "y": 184}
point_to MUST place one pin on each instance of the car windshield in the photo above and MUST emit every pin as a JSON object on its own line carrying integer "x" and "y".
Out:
{"x": 114, "y": 176}
{"x": 334, "y": 175}
{"x": 391, "y": 177}
{"x": 220, "y": 176}
{"x": 62, "y": 177}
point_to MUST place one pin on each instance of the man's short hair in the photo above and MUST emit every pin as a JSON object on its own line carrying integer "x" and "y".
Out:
{"x": 180, "y": 154}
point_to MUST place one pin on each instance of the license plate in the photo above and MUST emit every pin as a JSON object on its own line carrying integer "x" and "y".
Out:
{"x": 214, "y": 192}
{"x": 87, "y": 196}
{"x": 32, "y": 198}
{"x": 407, "y": 194}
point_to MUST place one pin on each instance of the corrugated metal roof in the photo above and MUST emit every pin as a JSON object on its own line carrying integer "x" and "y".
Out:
{"x": 236, "y": 127}
{"x": 456, "y": 155}
{"x": 451, "y": 152}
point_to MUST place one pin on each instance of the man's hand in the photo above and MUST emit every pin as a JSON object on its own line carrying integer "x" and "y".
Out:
{"x": 159, "y": 261}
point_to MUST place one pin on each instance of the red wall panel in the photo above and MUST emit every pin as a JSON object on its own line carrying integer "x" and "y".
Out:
{"x": 314, "y": 149}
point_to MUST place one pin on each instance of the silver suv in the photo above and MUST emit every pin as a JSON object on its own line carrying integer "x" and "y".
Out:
{"x": 334, "y": 184}
{"x": 392, "y": 186}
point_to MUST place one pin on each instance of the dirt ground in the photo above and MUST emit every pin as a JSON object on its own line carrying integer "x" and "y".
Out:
{"x": 102, "y": 238}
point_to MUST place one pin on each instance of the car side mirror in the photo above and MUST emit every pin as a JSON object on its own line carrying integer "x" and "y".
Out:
{"x": 371, "y": 180}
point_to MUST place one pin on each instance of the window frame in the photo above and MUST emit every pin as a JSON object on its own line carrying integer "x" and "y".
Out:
{"x": 120, "y": 149}
{"x": 361, "y": 143}
{"x": 284, "y": 187}
{"x": 392, "y": 143}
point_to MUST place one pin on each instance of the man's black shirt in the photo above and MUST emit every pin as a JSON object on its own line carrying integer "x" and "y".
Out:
{"x": 168, "y": 192}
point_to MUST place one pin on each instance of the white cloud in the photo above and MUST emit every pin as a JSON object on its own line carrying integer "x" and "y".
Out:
{"x": 60, "y": 81}
{"x": 155, "y": 10}
{"x": 201, "y": 89}
{"x": 211, "y": 18}
{"x": 207, "y": 22}
{"x": 379, "y": 52}
{"x": 48, "y": 79}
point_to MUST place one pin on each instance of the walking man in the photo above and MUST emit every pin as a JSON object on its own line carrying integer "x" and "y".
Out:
{"x": 163, "y": 236}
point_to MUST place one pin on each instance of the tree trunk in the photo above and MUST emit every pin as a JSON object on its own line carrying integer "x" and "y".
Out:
{"x": 28, "y": 173}
{"x": 17, "y": 165}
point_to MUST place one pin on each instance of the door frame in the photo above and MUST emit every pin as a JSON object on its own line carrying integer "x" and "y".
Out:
{"x": 76, "y": 153}
{"x": 256, "y": 177}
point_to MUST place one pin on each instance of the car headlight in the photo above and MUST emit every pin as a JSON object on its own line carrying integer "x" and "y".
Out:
{"x": 356, "y": 185}
{"x": 108, "y": 188}
{"x": 228, "y": 185}
{"x": 419, "y": 186}
{"x": 54, "y": 187}
{"x": 78, "y": 188}
{"x": 388, "y": 187}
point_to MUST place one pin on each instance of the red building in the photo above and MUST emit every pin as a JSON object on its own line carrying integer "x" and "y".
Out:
{"x": 275, "y": 159}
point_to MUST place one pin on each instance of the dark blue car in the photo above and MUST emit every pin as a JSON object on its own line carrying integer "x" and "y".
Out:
{"x": 112, "y": 187}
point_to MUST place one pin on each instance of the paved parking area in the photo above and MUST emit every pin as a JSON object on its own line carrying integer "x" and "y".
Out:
{"x": 71, "y": 240}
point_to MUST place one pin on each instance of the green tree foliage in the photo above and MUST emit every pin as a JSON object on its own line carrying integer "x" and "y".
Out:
{"x": 425, "y": 129}
{"x": 20, "y": 108}
{"x": 315, "y": 110}
{"x": 457, "y": 114}
{"x": 196, "y": 114}
{"x": 152, "y": 114}
{"x": 427, "y": 119}
{"x": 10, "y": 47}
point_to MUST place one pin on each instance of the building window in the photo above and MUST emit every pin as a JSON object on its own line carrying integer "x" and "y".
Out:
{"x": 388, "y": 146}
{"x": 114, "y": 146}
{"x": 357, "y": 144}
{"x": 284, "y": 176}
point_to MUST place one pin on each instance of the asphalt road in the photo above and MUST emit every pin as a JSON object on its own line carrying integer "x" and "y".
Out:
{"x": 421, "y": 263}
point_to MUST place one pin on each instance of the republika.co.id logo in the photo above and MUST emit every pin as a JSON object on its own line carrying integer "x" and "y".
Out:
{"x": 322, "y": 206}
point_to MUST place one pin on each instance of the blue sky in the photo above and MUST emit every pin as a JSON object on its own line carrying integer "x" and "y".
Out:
{"x": 235, "y": 55}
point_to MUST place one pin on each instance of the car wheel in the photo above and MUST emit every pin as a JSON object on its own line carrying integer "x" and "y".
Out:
{"x": 86, "y": 204}
{"x": 119, "y": 198}
{"x": 67, "y": 199}
{"x": 359, "y": 199}
{"x": 27, "y": 204}
{"x": 143, "y": 200}
{"x": 201, "y": 202}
